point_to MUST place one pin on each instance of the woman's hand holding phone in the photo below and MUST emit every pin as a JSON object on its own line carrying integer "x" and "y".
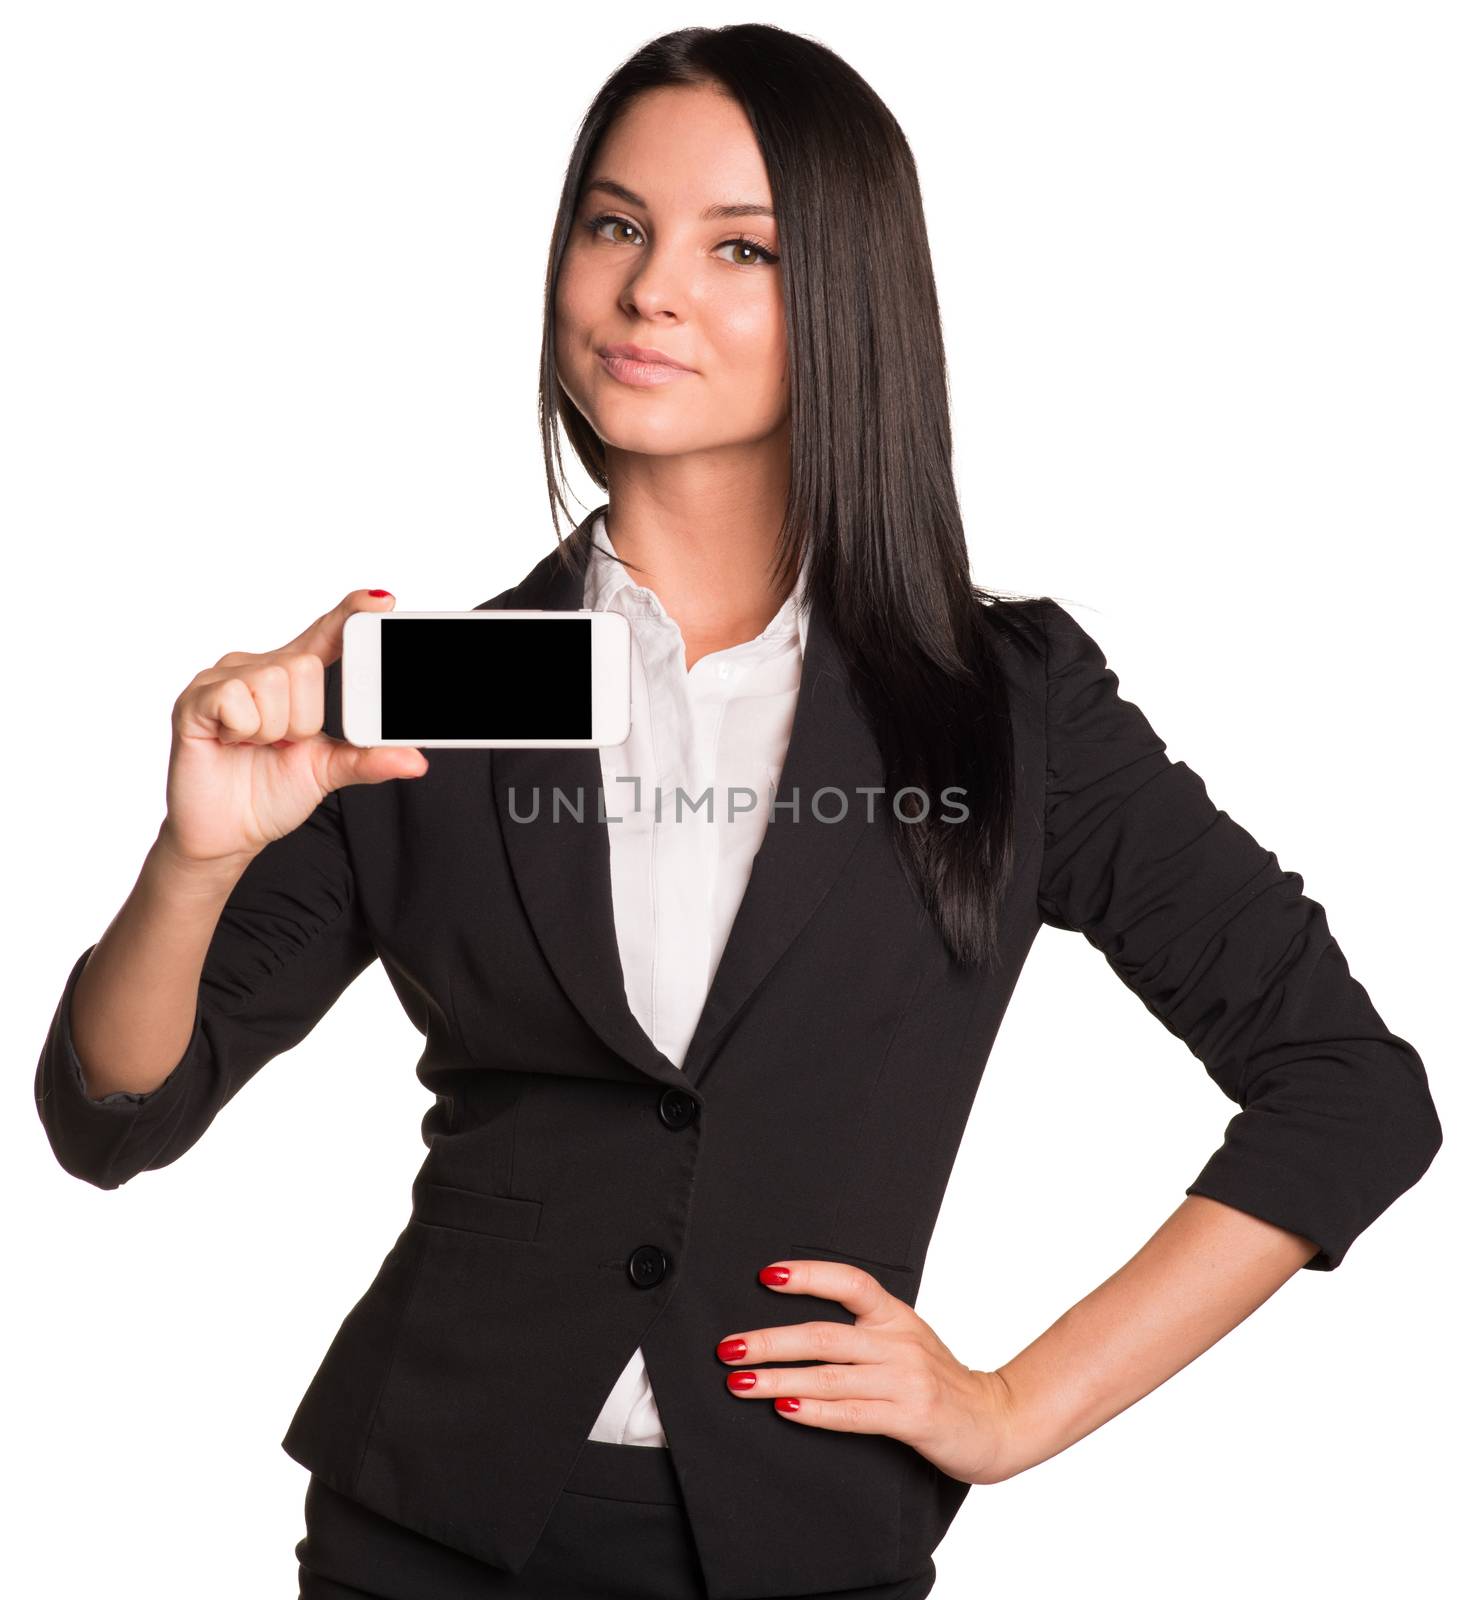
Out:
{"x": 250, "y": 761}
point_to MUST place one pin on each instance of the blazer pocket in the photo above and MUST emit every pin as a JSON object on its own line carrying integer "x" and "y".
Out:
{"x": 502, "y": 1216}
{"x": 879, "y": 1269}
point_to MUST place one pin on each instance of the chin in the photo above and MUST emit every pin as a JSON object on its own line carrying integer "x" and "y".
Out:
{"x": 647, "y": 436}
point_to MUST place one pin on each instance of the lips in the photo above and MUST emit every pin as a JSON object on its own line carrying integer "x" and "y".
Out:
{"x": 642, "y": 355}
{"x": 637, "y": 373}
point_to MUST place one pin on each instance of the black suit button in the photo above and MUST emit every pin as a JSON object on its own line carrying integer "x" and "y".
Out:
{"x": 647, "y": 1265}
{"x": 677, "y": 1109}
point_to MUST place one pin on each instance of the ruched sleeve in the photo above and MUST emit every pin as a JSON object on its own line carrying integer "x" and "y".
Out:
{"x": 1224, "y": 948}
{"x": 290, "y": 939}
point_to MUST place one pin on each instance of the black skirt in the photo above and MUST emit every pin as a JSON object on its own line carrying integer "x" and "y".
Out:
{"x": 618, "y": 1532}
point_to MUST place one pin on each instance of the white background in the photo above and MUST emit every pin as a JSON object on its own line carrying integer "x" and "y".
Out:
{"x": 273, "y": 278}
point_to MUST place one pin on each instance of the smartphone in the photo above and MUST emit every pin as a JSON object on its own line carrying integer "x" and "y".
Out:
{"x": 486, "y": 680}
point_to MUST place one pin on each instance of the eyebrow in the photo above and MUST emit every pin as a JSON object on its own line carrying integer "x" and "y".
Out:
{"x": 709, "y": 214}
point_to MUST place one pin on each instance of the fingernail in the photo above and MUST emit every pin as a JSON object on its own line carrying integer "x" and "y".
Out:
{"x": 741, "y": 1380}
{"x": 775, "y": 1274}
{"x": 381, "y": 594}
{"x": 731, "y": 1350}
{"x": 788, "y": 1403}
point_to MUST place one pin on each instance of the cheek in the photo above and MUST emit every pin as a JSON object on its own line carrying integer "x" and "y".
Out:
{"x": 573, "y": 322}
{"x": 583, "y": 293}
{"x": 567, "y": 303}
{"x": 752, "y": 342}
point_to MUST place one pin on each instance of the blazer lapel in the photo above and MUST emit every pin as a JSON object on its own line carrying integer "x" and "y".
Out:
{"x": 801, "y": 857}
{"x": 561, "y": 865}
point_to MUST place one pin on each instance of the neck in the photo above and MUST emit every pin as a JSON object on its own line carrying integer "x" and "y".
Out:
{"x": 702, "y": 535}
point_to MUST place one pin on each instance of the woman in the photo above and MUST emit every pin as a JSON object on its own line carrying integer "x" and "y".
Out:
{"x": 522, "y": 1404}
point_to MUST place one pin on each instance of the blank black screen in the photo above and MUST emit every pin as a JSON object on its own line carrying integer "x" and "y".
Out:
{"x": 506, "y": 678}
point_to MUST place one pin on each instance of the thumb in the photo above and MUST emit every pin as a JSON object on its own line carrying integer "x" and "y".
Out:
{"x": 349, "y": 763}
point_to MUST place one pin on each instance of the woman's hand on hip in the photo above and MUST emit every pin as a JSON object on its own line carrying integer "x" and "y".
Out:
{"x": 888, "y": 1372}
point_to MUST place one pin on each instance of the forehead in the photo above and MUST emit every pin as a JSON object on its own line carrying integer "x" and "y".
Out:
{"x": 683, "y": 148}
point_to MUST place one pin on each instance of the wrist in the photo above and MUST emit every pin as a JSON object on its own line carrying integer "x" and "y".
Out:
{"x": 1009, "y": 1428}
{"x": 183, "y": 873}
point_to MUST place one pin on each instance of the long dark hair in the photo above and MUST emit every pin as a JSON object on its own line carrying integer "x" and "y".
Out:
{"x": 872, "y": 497}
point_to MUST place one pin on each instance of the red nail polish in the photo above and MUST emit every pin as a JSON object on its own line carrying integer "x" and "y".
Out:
{"x": 731, "y": 1350}
{"x": 741, "y": 1380}
{"x": 775, "y": 1275}
{"x": 380, "y": 594}
{"x": 788, "y": 1403}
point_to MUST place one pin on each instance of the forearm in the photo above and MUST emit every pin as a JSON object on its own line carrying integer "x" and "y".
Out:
{"x": 134, "y": 1003}
{"x": 1202, "y": 1274}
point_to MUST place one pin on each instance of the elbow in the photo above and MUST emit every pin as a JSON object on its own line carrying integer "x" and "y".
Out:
{"x": 79, "y": 1152}
{"x": 1326, "y": 1143}
{"x": 1396, "y": 1150}
{"x": 86, "y": 1137}
{"x": 103, "y": 1142}
{"x": 1398, "y": 1131}
{"x": 1407, "y": 1117}
{"x": 1428, "y": 1134}
{"x": 100, "y": 1176}
{"x": 107, "y": 1140}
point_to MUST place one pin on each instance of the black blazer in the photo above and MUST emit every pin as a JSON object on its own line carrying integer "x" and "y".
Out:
{"x": 582, "y": 1196}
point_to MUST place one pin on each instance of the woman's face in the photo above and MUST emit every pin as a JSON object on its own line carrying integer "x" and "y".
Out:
{"x": 646, "y": 267}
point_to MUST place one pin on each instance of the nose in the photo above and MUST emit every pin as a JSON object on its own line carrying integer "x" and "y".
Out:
{"x": 658, "y": 288}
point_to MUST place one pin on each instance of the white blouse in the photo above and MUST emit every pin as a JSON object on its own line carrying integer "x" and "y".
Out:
{"x": 680, "y": 862}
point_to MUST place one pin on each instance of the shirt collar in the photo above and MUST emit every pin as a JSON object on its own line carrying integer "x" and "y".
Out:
{"x": 607, "y": 578}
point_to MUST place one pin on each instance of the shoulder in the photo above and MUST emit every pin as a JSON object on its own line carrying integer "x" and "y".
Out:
{"x": 1046, "y": 652}
{"x": 1037, "y": 627}
{"x": 1073, "y": 663}
{"x": 1061, "y": 676}
{"x": 1093, "y": 731}
{"x": 504, "y": 601}
{"x": 565, "y": 564}
{"x": 1046, "y": 629}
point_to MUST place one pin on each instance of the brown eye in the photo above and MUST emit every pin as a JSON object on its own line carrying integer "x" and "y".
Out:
{"x": 595, "y": 226}
{"x": 750, "y": 254}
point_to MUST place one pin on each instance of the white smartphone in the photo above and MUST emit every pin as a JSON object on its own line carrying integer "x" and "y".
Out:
{"x": 485, "y": 680}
